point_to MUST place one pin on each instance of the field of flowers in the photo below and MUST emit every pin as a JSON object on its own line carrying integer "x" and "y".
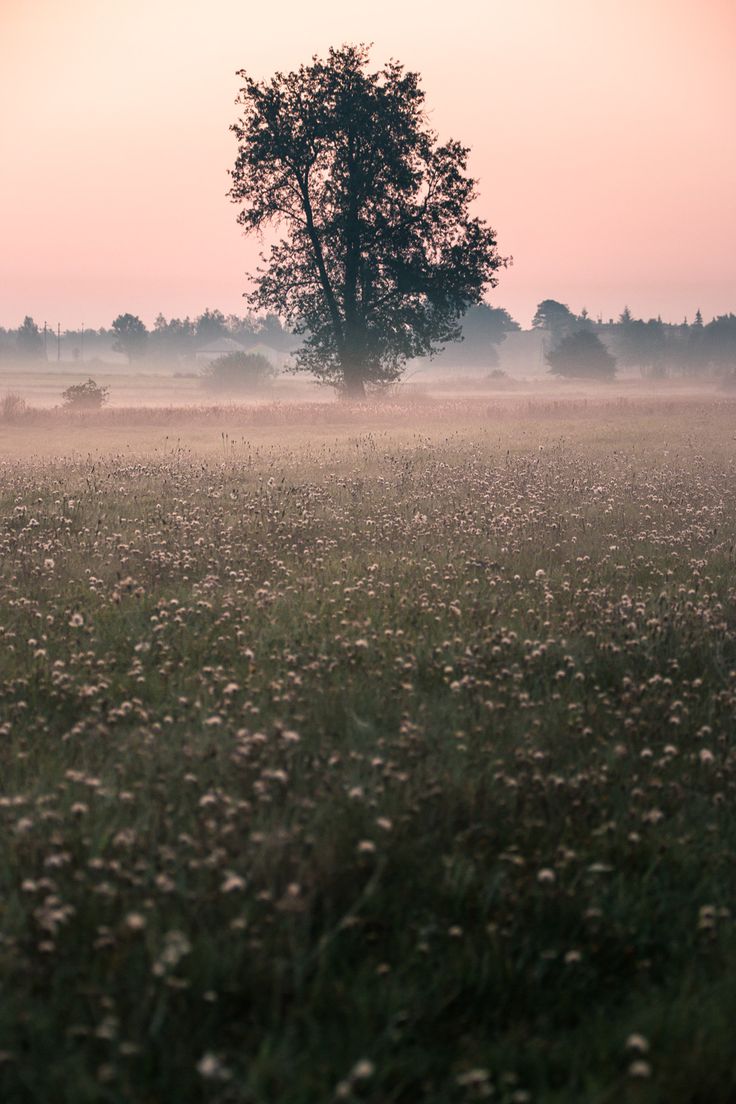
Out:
{"x": 391, "y": 766}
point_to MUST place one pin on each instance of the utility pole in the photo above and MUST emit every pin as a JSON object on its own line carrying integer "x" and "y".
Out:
{"x": 81, "y": 345}
{"x": 58, "y": 341}
{"x": 45, "y": 347}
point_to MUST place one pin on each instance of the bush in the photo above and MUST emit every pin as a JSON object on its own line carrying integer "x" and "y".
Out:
{"x": 85, "y": 396}
{"x": 12, "y": 406}
{"x": 582, "y": 355}
{"x": 238, "y": 373}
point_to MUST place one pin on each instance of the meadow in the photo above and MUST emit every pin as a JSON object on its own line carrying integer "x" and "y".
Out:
{"x": 381, "y": 755}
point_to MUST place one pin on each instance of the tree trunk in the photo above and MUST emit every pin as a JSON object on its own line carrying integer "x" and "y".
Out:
{"x": 354, "y": 387}
{"x": 353, "y": 364}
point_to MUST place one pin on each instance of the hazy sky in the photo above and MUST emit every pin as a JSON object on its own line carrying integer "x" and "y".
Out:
{"x": 602, "y": 134}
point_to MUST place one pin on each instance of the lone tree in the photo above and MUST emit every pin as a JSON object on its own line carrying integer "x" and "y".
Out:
{"x": 582, "y": 355}
{"x": 378, "y": 255}
{"x": 131, "y": 336}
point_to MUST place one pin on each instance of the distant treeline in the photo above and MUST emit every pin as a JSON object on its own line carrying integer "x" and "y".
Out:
{"x": 174, "y": 339}
{"x": 654, "y": 347}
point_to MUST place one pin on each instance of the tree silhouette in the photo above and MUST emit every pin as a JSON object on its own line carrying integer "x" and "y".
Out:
{"x": 640, "y": 343}
{"x": 131, "y": 336}
{"x": 380, "y": 255}
{"x": 484, "y": 329}
{"x": 211, "y": 325}
{"x": 556, "y": 318}
{"x": 719, "y": 341}
{"x": 28, "y": 340}
{"x": 582, "y": 355}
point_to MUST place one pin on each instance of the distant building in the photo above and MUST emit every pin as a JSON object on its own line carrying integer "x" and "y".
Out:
{"x": 278, "y": 357}
{"x": 221, "y": 346}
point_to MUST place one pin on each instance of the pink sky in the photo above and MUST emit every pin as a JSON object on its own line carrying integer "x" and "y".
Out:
{"x": 602, "y": 134}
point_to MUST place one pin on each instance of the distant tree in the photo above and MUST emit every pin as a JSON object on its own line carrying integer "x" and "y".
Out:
{"x": 626, "y": 342}
{"x": 582, "y": 355}
{"x": 271, "y": 330}
{"x": 210, "y": 325}
{"x": 556, "y": 318}
{"x": 131, "y": 336}
{"x": 28, "y": 340}
{"x": 380, "y": 257}
{"x": 584, "y": 321}
{"x": 483, "y": 329}
{"x": 173, "y": 339}
{"x": 242, "y": 328}
{"x": 238, "y": 373}
{"x": 643, "y": 345}
{"x": 719, "y": 340}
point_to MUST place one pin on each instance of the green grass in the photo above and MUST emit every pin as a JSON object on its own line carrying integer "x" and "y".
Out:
{"x": 386, "y": 769}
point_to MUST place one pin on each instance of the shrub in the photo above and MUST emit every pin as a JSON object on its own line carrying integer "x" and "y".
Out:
{"x": 238, "y": 373}
{"x": 85, "y": 396}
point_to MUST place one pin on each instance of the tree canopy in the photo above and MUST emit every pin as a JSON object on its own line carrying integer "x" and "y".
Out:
{"x": 379, "y": 255}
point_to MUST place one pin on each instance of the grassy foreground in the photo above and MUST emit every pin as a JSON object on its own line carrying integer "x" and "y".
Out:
{"x": 387, "y": 769}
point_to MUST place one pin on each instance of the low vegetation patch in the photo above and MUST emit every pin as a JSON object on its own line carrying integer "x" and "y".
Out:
{"x": 85, "y": 396}
{"x": 238, "y": 374}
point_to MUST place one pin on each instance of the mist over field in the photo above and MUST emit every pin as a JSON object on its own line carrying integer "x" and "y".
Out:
{"x": 368, "y": 586}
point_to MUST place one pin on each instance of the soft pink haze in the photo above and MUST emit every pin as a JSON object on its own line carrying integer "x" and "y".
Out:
{"x": 601, "y": 133}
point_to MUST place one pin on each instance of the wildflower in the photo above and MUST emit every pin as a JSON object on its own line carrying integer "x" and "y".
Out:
{"x": 211, "y": 1068}
{"x": 135, "y": 921}
{"x": 232, "y": 883}
{"x": 473, "y": 1078}
{"x": 362, "y": 1070}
